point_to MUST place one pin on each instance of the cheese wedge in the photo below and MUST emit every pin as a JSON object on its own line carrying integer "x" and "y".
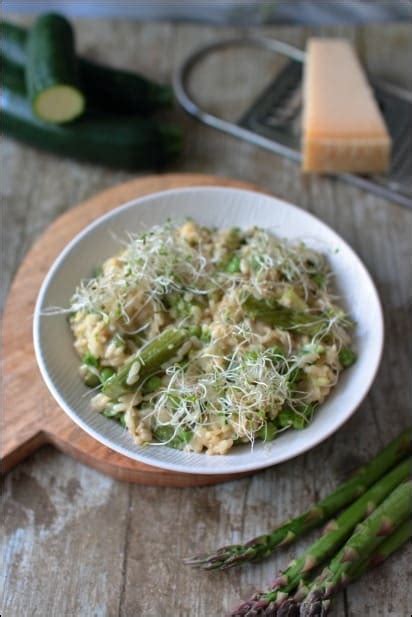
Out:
{"x": 343, "y": 129}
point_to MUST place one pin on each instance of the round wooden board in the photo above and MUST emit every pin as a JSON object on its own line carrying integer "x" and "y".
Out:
{"x": 31, "y": 417}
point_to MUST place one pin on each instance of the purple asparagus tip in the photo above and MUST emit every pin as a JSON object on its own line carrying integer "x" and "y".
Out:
{"x": 289, "y": 608}
{"x": 313, "y": 605}
{"x": 254, "y": 607}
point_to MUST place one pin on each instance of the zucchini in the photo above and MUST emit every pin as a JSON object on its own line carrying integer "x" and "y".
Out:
{"x": 108, "y": 139}
{"x": 121, "y": 91}
{"x": 13, "y": 40}
{"x": 51, "y": 70}
{"x": 105, "y": 88}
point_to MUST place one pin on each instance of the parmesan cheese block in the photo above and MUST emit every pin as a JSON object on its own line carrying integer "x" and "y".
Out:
{"x": 343, "y": 129}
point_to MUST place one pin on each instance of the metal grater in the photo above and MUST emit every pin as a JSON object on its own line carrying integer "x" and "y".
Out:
{"x": 273, "y": 120}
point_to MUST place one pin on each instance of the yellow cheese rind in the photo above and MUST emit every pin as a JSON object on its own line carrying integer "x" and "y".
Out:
{"x": 343, "y": 129}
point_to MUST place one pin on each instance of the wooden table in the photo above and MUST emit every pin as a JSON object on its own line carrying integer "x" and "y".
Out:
{"x": 79, "y": 544}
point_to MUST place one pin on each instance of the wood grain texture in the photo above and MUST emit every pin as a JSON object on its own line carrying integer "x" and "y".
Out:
{"x": 79, "y": 544}
{"x": 31, "y": 418}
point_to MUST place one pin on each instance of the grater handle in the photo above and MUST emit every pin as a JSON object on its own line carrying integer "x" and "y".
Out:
{"x": 181, "y": 78}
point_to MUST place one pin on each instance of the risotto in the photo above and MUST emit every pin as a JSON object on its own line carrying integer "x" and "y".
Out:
{"x": 202, "y": 339}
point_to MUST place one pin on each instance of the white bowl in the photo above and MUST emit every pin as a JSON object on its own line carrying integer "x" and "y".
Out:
{"x": 222, "y": 207}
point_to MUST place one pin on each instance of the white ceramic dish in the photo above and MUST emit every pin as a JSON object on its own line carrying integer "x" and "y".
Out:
{"x": 222, "y": 207}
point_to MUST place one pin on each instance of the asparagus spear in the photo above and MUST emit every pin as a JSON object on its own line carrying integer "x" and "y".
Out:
{"x": 337, "y": 531}
{"x": 147, "y": 360}
{"x": 279, "y": 316}
{"x": 291, "y": 608}
{"x": 391, "y": 544}
{"x": 264, "y": 545}
{"x": 361, "y": 545}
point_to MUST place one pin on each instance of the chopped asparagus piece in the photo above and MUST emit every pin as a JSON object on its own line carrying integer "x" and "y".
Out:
{"x": 146, "y": 361}
{"x": 291, "y": 299}
{"x": 278, "y": 316}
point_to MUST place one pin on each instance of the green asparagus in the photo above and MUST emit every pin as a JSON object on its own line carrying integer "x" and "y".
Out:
{"x": 146, "y": 361}
{"x": 399, "y": 537}
{"x": 394, "y": 511}
{"x": 337, "y": 531}
{"x": 264, "y": 545}
{"x": 291, "y": 607}
{"x": 279, "y": 316}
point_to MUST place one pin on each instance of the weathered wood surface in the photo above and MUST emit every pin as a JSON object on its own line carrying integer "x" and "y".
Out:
{"x": 77, "y": 543}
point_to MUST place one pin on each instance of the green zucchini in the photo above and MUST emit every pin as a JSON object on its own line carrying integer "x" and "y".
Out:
{"x": 51, "y": 71}
{"x": 108, "y": 139}
{"x": 13, "y": 40}
{"x": 121, "y": 91}
{"x": 105, "y": 88}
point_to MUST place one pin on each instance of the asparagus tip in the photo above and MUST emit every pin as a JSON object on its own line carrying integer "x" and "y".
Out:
{"x": 386, "y": 527}
{"x": 288, "y": 609}
{"x": 350, "y": 554}
{"x": 313, "y": 605}
{"x": 252, "y": 607}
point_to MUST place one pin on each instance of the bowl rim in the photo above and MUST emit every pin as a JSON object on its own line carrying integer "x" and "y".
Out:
{"x": 179, "y": 467}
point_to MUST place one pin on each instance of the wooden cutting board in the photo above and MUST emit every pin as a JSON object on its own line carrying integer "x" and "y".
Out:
{"x": 31, "y": 417}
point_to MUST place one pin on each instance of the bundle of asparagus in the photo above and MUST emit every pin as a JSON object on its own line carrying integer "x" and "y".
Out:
{"x": 372, "y": 527}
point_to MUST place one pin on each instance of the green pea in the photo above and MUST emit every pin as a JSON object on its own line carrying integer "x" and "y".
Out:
{"x": 319, "y": 279}
{"x": 91, "y": 380}
{"x": 106, "y": 373}
{"x": 90, "y": 360}
{"x": 152, "y": 384}
{"x": 347, "y": 357}
{"x": 205, "y": 335}
{"x": 267, "y": 432}
{"x": 299, "y": 422}
{"x": 195, "y": 331}
{"x": 285, "y": 418}
{"x": 233, "y": 265}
